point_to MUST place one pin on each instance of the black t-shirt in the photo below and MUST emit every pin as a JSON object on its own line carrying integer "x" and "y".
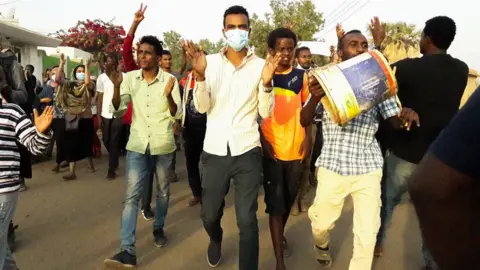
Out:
{"x": 458, "y": 146}
{"x": 432, "y": 86}
{"x": 193, "y": 118}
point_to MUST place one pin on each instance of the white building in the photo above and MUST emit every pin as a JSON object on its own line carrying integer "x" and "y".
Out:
{"x": 25, "y": 43}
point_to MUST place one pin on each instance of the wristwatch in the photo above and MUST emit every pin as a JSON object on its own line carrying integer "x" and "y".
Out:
{"x": 267, "y": 89}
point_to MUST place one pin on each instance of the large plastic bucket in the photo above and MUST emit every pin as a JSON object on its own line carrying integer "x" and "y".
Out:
{"x": 356, "y": 85}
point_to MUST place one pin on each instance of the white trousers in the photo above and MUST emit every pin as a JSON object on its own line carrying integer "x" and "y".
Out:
{"x": 332, "y": 190}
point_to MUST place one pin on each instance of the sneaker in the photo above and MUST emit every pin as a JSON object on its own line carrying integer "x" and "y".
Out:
{"x": 148, "y": 214}
{"x": 121, "y": 260}
{"x": 214, "y": 254}
{"x": 160, "y": 239}
{"x": 323, "y": 257}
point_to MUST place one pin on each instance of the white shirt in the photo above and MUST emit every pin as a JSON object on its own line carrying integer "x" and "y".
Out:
{"x": 233, "y": 98}
{"x": 105, "y": 86}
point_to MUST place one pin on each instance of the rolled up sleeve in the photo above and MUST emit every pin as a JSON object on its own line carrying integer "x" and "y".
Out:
{"x": 201, "y": 97}
{"x": 125, "y": 98}
{"x": 266, "y": 101}
{"x": 178, "y": 100}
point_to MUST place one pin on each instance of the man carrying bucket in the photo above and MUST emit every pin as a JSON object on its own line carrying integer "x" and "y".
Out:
{"x": 350, "y": 164}
{"x": 426, "y": 84}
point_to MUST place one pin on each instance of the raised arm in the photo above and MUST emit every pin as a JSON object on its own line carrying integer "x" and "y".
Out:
{"x": 266, "y": 96}
{"x": 309, "y": 110}
{"x": 127, "y": 52}
{"x": 60, "y": 76}
{"x": 201, "y": 93}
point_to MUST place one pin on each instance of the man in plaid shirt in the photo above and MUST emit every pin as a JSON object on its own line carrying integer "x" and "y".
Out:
{"x": 351, "y": 164}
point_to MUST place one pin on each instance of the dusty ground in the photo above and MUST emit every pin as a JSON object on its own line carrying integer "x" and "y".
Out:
{"x": 75, "y": 226}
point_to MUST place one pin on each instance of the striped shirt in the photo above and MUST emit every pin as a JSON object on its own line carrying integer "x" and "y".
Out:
{"x": 233, "y": 98}
{"x": 16, "y": 126}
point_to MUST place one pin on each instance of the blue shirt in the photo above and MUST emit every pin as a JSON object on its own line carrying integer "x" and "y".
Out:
{"x": 458, "y": 146}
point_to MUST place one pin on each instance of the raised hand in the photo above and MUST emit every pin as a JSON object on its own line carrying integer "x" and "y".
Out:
{"x": 43, "y": 122}
{"x": 271, "y": 64}
{"x": 169, "y": 86}
{"x": 62, "y": 59}
{"x": 87, "y": 62}
{"x": 197, "y": 58}
{"x": 140, "y": 14}
{"x": 290, "y": 25}
{"x": 340, "y": 31}
{"x": 378, "y": 30}
{"x": 116, "y": 77}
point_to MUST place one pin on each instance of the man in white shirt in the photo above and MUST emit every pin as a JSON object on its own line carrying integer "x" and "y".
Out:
{"x": 233, "y": 89}
{"x": 112, "y": 127}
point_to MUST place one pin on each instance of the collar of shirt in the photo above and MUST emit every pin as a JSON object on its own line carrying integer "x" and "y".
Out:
{"x": 160, "y": 76}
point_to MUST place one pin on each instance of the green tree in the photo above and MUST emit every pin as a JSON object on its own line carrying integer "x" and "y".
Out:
{"x": 211, "y": 47}
{"x": 301, "y": 14}
{"x": 171, "y": 40}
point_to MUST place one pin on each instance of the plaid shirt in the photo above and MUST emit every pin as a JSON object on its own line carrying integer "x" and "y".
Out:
{"x": 353, "y": 149}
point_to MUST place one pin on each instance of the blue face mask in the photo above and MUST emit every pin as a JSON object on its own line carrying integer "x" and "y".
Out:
{"x": 80, "y": 76}
{"x": 236, "y": 39}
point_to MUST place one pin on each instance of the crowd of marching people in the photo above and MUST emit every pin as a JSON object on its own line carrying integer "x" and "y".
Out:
{"x": 247, "y": 121}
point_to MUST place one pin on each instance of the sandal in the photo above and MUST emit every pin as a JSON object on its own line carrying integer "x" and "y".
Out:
{"x": 287, "y": 252}
{"x": 323, "y": 257}
{"x": 194, "y": 201}
{"x": 91, "y": 169}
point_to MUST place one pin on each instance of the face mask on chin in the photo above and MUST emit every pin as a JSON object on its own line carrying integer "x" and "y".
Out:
{"x": 236, "y": 39}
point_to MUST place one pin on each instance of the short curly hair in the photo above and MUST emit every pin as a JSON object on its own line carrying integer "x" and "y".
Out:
{"x": 155, "y": 42}
{"x": 281, "y": 33}
{"x": 441, "y": 30}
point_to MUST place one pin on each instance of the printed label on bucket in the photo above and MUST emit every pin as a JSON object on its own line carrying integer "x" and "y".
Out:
{"x": 367, "y": 80}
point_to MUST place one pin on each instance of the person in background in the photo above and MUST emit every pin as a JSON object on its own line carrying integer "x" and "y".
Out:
{"x": 445, "y": 189}
{"x": 420, "y": 80}
{"x": 73, "y": 96}
{"x": 112, "y": 127}
{"x": 46, "y": 76}
{"x": 97, "y": 145}
{"x": 194, "y": 126}
{"x": 31, "y": 84}
{"x": 151, "y": 146}
{"x": 166, "y": 65}
{"x": 350, "y": 164}
{"x": 303, "y": 58}
{"x": 234, "y": 88}
{"x": 58, "y": 125}
{"x": 284, "y": 141}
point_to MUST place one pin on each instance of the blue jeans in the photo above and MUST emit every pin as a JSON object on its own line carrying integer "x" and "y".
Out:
{"x": 397, "y": 171}
{"x": 8, "y": 204}
{"x": 139, "y": 167}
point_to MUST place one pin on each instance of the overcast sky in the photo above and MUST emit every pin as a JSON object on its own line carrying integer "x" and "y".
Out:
{"x": 195, "y": 19}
